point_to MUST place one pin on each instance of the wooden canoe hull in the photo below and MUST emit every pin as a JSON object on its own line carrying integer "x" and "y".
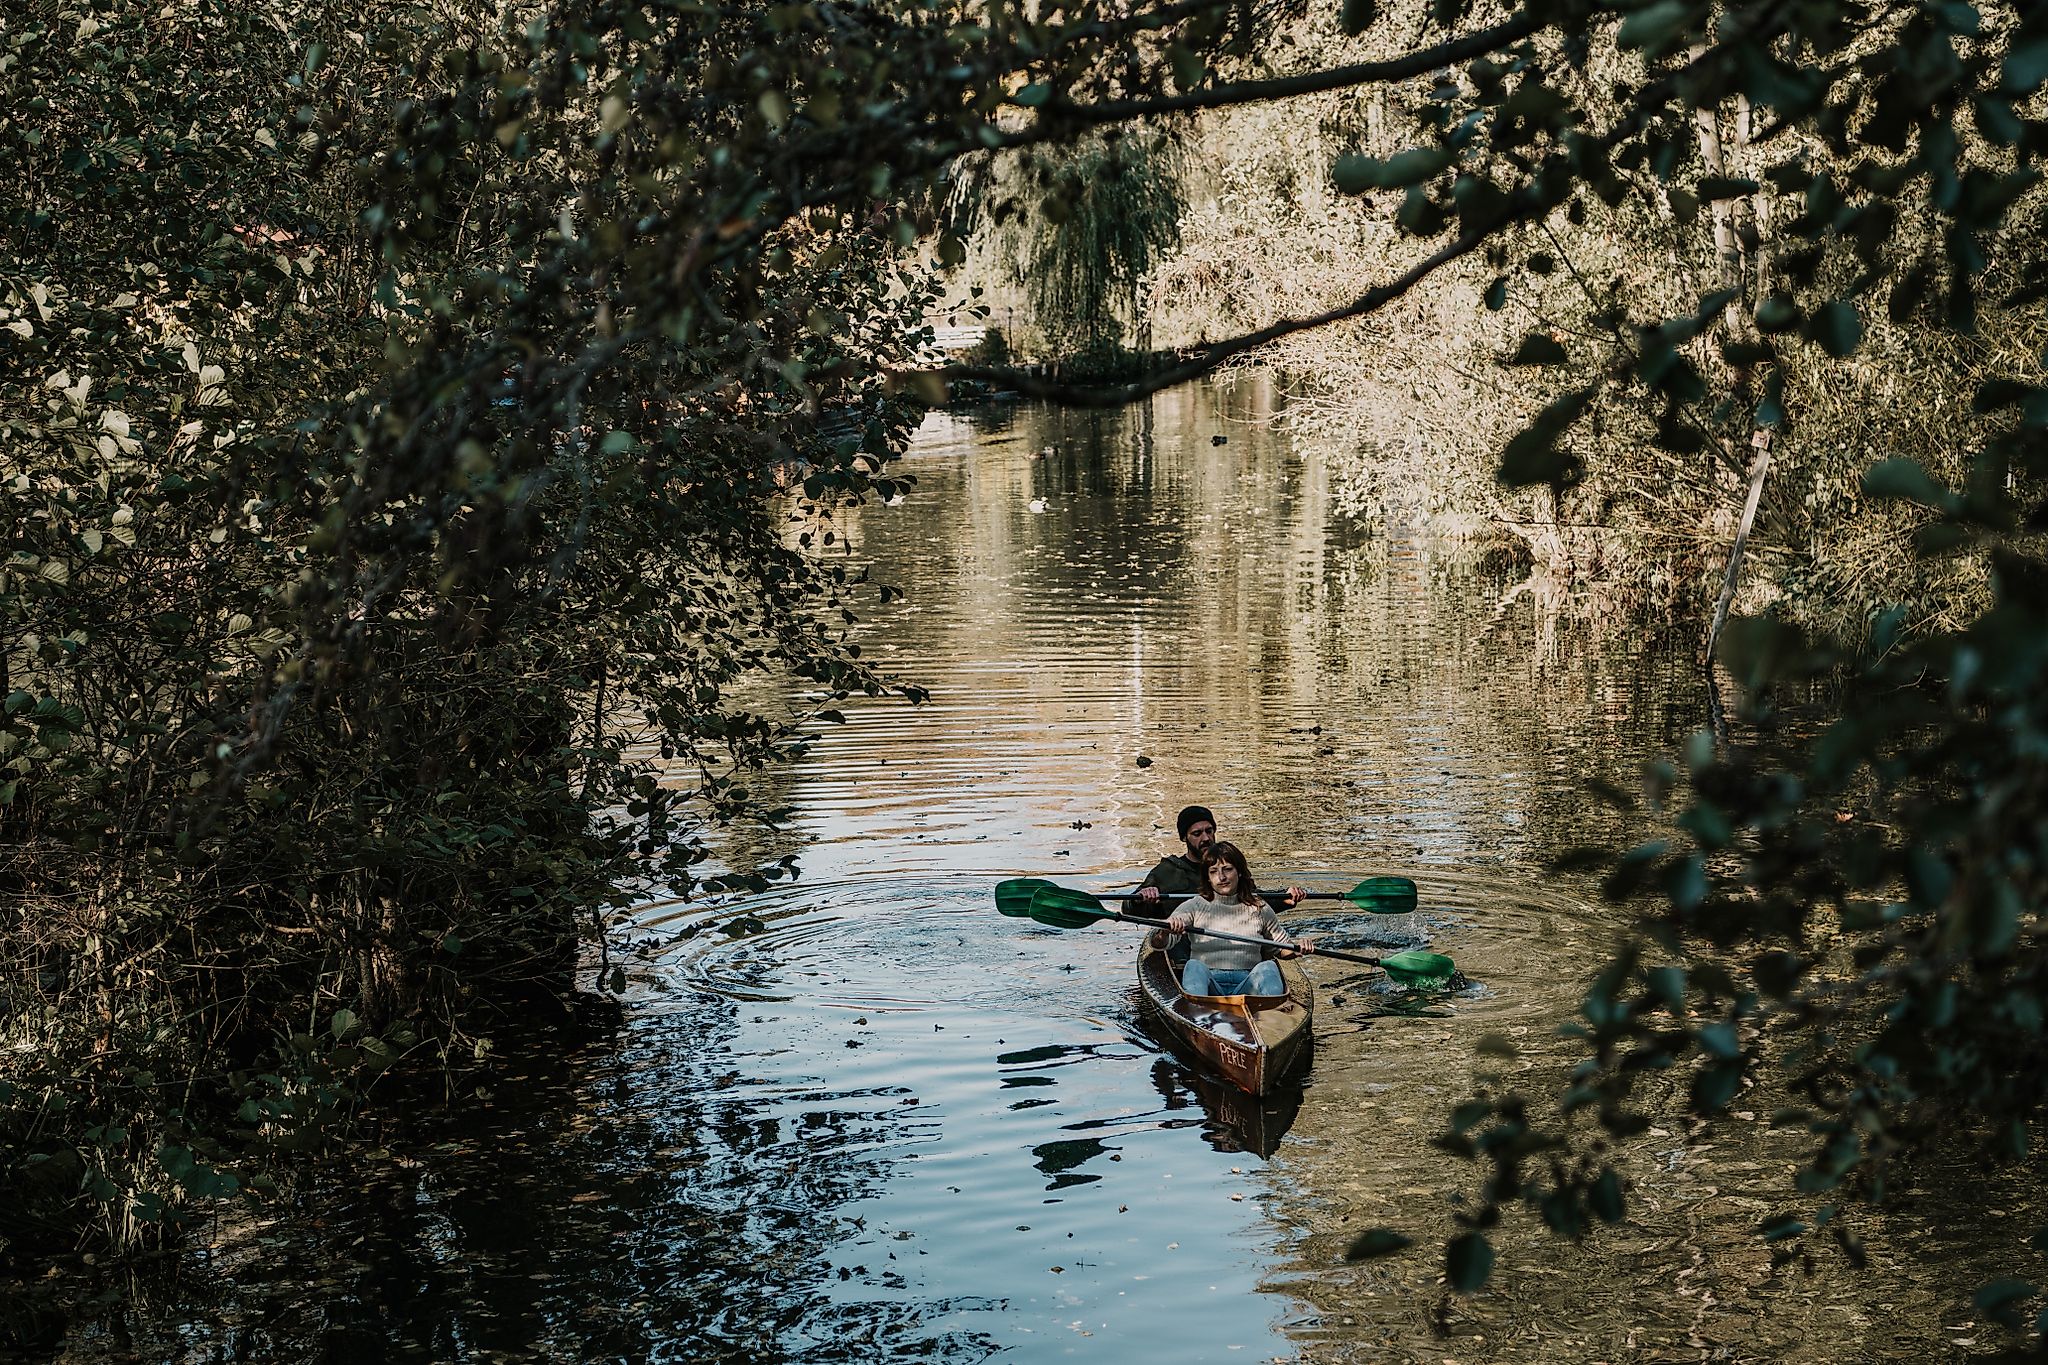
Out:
{"x": 1253, "y": 1044}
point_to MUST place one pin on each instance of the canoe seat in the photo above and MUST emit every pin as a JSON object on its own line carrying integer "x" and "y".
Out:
{"x": 1242, "y": 1002}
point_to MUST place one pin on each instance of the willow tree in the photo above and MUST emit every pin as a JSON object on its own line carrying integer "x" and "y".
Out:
{"x": 1106, "y": 211}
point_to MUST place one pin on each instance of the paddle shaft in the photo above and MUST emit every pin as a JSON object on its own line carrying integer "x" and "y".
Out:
{"x": 1238, "y": 938}
{"x": 1170, "y": 901}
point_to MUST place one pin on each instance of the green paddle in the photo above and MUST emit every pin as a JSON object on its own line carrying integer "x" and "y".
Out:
{"x": 1013, "y": 898}
{"x": 1377, "y": 895}
{"x": 1060, "y": 908}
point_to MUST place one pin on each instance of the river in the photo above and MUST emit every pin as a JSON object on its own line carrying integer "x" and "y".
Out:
{"x": 883, "y": 1122}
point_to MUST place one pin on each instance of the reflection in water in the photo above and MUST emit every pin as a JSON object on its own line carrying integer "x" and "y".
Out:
{"x": 865, "y": 1117}
{"x": 1233, "y": 1121}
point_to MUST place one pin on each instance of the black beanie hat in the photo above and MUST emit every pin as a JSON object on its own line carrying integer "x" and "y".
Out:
{"x": 1192, "y": 815}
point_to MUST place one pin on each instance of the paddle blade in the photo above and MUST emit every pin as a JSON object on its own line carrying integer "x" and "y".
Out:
{"x": 1013, "y": 898}
{"x": 1384, "y": 896}
{"x": 1422, "y": 971}
{"x": 1060, "y": 908}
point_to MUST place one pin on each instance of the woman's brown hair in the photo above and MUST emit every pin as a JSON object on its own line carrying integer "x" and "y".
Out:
{"x": 1229, "y": 853}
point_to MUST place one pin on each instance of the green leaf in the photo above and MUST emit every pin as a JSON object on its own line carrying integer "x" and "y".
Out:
{"x": 1605, "y": 1198}
{"x": 1836, "y": 328}
{"x": 2000, "y": 1294}
{"x": 1355, "y": 174}
{"x": 1357, "y": 16}
{"x": 341, "y": 1023}
{"x": 1376, "y": 1242}
{"x": 1656, "y": 27}
{"x": 1719, "y": 1040}
{"x": 1905, "y": 480}
{"x": 1468, "y": 1262}
{"x": 1726, "y": 187}
{"x": 1777, "y": 314}
{"x": 2026, "y": 66}
{"x": 1761, "y": 649}
{"x": 1539, "y": 348}
{"x": 1532, "y": 456}
{"x": 1033, "y": 95}
{"x": 1714, "y": 1085}
{"x": 1414, "y": 166}
{"x": 1497, "y": 294}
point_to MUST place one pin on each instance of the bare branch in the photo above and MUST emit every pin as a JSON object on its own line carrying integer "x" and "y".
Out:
{"x": 1214, "y": 354}
{"x": 1060, "y": 120}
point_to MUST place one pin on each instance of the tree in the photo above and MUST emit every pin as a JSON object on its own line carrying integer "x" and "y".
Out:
{"x": 1103, "y": 212}
{"x": 378, "y": 512}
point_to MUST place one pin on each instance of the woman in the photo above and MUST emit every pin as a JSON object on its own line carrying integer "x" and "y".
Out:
{"x": 1217, "y": 966}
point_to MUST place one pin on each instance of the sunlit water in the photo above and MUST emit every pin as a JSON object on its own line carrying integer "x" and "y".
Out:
{"x": 888, "y": 1123}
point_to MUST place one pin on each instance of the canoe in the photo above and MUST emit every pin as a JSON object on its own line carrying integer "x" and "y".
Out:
{"x": 1255, "y": 1042}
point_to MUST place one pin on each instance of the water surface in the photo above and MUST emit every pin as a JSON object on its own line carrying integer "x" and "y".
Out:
{"x": 891, "y": 1124}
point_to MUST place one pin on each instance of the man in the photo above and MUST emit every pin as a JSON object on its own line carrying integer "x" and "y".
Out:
{"x": 1181, "y": 874}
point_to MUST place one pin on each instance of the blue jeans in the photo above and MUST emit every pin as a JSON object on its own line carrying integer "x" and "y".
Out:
{"x": 1264, "y": 979}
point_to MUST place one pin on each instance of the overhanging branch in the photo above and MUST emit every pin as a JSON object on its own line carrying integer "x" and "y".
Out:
{"x": 1059, "y": 120}
{"x": 1216, "y": 353}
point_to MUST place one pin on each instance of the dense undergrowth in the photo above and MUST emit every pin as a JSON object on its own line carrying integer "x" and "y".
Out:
{"x": 1411, "y": 405}
{"x": 392, "y": 505}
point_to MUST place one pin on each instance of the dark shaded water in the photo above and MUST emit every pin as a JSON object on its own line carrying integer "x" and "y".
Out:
{"x": 894, "y": 1125}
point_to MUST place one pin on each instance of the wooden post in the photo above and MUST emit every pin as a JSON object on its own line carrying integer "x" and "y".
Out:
{"x": 1758, "y": 468}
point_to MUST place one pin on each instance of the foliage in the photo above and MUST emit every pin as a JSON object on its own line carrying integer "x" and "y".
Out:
{"x": 1084, "y": 250}
{"x": 1849, "y": 917}
{"x": 1859, "y": 907}
{"x": 400, "y": 437}
{"x": 1412, "y": 400}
